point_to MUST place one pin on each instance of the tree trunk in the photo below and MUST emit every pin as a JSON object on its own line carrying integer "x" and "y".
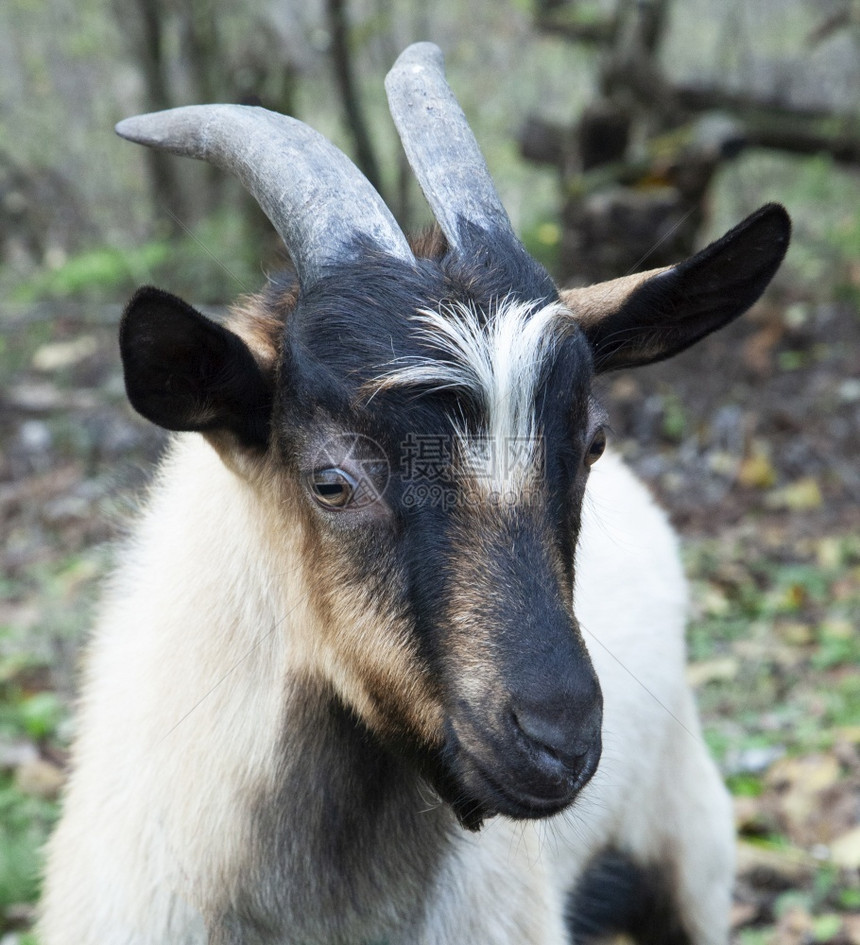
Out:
{"x": 341, "y": 59}
{"x": 142, "y": 22}
{"x": 202, "y": 44}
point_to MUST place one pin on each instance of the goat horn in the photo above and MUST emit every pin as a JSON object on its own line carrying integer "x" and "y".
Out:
{"x": 319, "y": 202}
{"x": 441, "y": 148}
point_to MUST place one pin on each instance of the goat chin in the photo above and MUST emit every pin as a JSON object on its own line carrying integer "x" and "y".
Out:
{"x": 196, "y": 676}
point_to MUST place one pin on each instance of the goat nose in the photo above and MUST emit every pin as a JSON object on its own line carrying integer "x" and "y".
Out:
{"x": 566, "y": 742}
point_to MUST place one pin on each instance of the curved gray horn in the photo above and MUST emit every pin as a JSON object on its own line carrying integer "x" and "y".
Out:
{"x": 319, "y": 202}
{"x": 440, "y": 146}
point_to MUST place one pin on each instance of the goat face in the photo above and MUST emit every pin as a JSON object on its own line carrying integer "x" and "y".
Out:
{"x": 429, "y": 425}
{"x": 446, "y": 502}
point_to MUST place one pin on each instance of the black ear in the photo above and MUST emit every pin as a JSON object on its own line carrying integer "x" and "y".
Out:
{"x": 676, "y": 307}
{"x": 185, "y": 372}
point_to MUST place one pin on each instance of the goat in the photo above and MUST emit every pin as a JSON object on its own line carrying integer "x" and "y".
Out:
{"x": 341, "y": 689}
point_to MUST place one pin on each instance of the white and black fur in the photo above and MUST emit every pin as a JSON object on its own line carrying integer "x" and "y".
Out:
{"x": 311, "y": 720}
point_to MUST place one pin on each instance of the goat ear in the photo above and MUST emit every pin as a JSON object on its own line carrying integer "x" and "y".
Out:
{"x": 185, "y": 372}
{"x": 654, "y": 315}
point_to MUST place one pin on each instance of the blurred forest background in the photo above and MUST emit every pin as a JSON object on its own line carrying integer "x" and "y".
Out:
{"x": 621, "y": 134}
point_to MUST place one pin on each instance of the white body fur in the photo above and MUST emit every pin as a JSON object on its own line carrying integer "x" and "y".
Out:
{"x": 183, "y": 713}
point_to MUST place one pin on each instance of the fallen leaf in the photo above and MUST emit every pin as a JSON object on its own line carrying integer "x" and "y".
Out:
{"x": 767, "y": 653}
{"x": 39, "y": 778}
{"x": 799, "y": 496}
{"x": 718, "y": 670}
{"x": 828, "y": 551}
{"x": 757, "y": 472}
{"x": 773, "y": 868}
{"x": 795, "y": 927}
{"x": 63, "y": 354}
{"x": 845, "y": 850}
{"x": 838, "y": 629}
{"x": 849, "y": 390}
{"x": 749, "y": 816}
{"x": 624, "y": 388}
{"x": 811, "y": 799}
{"x": 723, "y": 463}
{"x": 812, "y": 773}
{"x": 851, "y": 929}
{"x": 43, "y": 398}
{"x": 757, "y": 351}
{"x": 743, "y": 913}
{"x": 795, "y": 633}
{"x": 714, "y": 601}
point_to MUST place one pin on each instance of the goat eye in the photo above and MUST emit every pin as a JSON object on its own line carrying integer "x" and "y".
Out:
{"x": 332, "y": 488}
{"x": 595, "y": 450}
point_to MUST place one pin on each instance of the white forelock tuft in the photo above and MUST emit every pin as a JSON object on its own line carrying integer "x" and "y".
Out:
{"x": 500, "y": 359}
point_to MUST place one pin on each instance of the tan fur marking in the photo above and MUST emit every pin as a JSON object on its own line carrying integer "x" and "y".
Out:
{"x": 262, "y": 327}
{"x": 429, "y": 243}
{"x": 262, "y": 330}
{"x": 592, "y": 303}
{"x": 352, "y": 637}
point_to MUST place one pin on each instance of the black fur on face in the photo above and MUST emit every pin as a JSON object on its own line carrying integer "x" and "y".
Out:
{"x": 482, "y": 587}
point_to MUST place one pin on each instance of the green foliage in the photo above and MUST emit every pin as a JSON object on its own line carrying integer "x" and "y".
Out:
{"x": 674, "y": 422}
{"x": 792, "y": 360}
{"x": 848, "y": 899}
{"x": 842, "y": 702}
{"x": 543, "y": 240}
{"x": 25, "y": 819}
{"x": 745, "y": 785}
{"x": 825, "y": 927}
{"x": 25, "y": 823}
{"x": 219, "y": 260}
{"x": 821, "y": 198}
{"x": 56, "y": 586}
{"x": 25, "y": 715}
{"x": 212, "y": 263}
{"x": 18, "y": 345}
{"x": 41, "y": 714}
{"x": 755, "y": 937}
{"x": 97, "y": 273}
{"x": 837, "y": 648}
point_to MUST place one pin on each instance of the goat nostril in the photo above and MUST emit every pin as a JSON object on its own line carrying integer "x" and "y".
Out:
{"x": 546, "y": 735}
{"x": 554, "y": 740}
{"x": 534, "y": 725}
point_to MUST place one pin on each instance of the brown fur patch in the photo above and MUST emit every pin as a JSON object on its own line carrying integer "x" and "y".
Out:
{"x": 592, "y": 303}
{"x": 261, "y": 326}
{"x": 375, "y": 664}
{"x": 355, "y": 638}
{"x": 358, "y": 638}
{"x": 429, "y": 243}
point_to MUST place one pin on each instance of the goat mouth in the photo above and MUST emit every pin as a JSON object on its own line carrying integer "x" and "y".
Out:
{"x": 475, "y": 794}
{"x": 520, "y": 802}
{"x": 476, "y": 788}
